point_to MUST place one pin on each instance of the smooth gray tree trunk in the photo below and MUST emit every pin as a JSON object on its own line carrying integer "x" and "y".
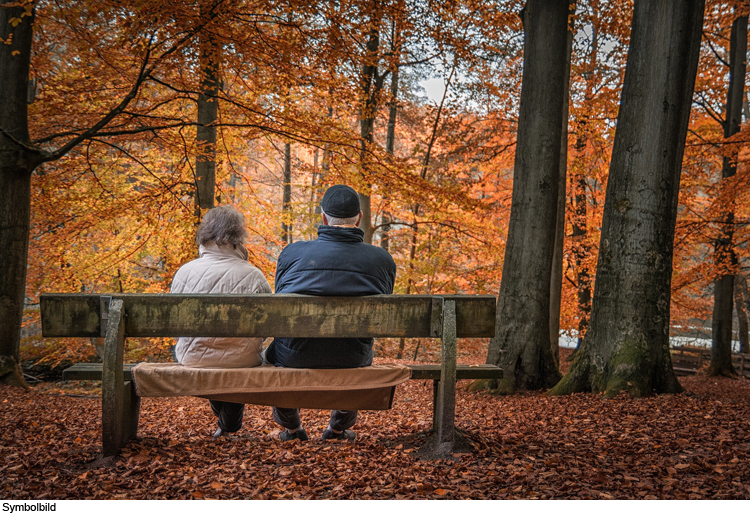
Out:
{"x": 521, "y": 345}
{"x": 627, "y": 344}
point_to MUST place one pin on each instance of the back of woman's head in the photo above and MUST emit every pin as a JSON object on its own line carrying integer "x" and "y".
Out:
{"x": 222, "y": 225}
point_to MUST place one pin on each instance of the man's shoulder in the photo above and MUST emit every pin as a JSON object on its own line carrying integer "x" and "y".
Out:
{"x": 378, "y": 253}
{"x": 295, "y": 248}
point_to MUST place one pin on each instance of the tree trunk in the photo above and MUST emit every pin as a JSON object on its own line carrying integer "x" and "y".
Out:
{"x": 725, "y": 256}
{"x": 556, "y": 280}
{"x": 208, "y": 112}
{"x": 371, "y": 85}
{"x": 627, "y": 344}
{"x": 581, "y": 247}
{"x": 16, "y": 165}
{"x": 522, "y": 337}
{"x": 313, "y": 187}
{"x": 390, "y": 138}
{"x": 325, "y": 166}
{"x": 740, "y": 282}
{"x": 286, "y": 207}
{"x": 739, "y": 306}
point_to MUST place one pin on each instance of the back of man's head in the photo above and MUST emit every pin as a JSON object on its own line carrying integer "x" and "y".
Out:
{"x": 340, "y": 205}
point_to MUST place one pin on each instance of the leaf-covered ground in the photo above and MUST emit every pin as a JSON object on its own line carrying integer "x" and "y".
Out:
{"x": 689, "y": 446}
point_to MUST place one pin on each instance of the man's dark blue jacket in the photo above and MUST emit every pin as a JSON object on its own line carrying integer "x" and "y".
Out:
{"x": 337, "y": 263}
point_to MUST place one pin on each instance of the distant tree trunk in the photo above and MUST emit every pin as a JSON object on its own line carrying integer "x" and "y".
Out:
{"x": 371, "y": 84}
{"x": 313, "y": 186}
{"x": 390, "y": 138}
{"x": 739, "y": 305}
{"x": 16, "y": 165}
{"x": 412, "y": 256}
{"x": 556, "y": 280}
{"x": 208, "y": 112}
{"x": 522, "y": 337}
{"x": 627, "y": 344}
{"x": 325, "y": 166}
{"x": 286, "y": 207}
{"x": 740, "y": 284}
{"x": 581, "y": 247}
{"x": 725, "y": 256}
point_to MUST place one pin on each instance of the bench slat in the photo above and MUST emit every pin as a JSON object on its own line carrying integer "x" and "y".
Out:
{"x": 194, "y": 315}
{"x": 93, "y": 372}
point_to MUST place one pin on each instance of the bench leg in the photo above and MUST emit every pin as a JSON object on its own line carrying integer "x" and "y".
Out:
{"x": 132, "y": 409}
{"x": 445, "y": 409}
{"x": 435, "y": 391}
{"x": 117, "y": 398}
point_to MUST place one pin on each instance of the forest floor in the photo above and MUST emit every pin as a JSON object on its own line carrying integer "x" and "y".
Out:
{"x": 694, "y": 445}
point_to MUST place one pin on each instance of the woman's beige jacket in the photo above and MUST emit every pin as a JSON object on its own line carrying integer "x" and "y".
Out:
{"x": 220, "y": 269}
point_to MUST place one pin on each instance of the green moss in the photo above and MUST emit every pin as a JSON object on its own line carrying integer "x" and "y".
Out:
{"x": 505, "y": 386}
{"x": 630, "y": 369}
{"x": 479, "y": 385}
{"x": 576, "y": 379}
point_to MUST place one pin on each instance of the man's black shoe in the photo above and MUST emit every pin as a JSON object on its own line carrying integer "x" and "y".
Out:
{"x": 285, "y": 435}
{"x": 347, "y": 434}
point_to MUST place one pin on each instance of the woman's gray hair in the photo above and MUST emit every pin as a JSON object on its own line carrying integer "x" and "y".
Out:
{"x": 222, "y": 225}
{"x": 332, "y": 220}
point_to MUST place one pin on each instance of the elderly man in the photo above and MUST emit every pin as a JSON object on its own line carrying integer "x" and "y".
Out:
{"x": 221, "y": 268}
{"x": 337, "y": 263}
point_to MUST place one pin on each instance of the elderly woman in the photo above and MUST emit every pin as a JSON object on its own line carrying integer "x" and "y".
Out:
{"x": 222, "y": 267}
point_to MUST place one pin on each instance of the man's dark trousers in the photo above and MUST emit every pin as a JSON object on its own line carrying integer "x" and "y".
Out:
{"x": 289, "y": 418}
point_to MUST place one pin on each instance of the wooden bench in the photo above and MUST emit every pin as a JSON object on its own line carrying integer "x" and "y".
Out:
{"x": 119, "y": 316}
{"x": 688, "y": 360}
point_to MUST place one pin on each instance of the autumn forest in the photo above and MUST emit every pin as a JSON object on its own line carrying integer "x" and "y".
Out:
{"x": 584, "y": 162}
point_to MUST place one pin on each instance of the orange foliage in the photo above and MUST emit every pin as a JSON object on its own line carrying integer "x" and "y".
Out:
{"x": 117, "y": 213}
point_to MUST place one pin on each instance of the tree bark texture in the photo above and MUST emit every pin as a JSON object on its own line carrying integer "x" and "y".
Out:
{"x": 208, "y": 112}
{"x": 521, "y": 345}
{"x": 16, "y": 165}
{"x": 556, "y": 280}
{"x": 725, "y": 256}
{"x": 627, "y": 344}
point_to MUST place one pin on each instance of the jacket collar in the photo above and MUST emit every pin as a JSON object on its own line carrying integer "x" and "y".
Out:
{"x": 340, "y": 234}
{"x": 211, "y": 249}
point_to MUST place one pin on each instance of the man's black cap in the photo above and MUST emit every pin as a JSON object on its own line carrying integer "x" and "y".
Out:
{"x": 340, "y": 201}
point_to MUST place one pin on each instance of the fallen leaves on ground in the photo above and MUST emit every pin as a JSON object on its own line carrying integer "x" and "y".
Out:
{"x": 689, "y": 446}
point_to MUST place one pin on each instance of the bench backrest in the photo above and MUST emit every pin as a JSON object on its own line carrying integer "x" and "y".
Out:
{"x": 284, "y": 315}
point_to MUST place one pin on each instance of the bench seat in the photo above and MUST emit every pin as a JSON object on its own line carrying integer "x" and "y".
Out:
{"x": 367, "y": 388}
{"x": 93, "y": 372}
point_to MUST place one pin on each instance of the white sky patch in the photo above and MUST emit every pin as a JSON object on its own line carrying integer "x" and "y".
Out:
{"x": 434, "y": 88}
